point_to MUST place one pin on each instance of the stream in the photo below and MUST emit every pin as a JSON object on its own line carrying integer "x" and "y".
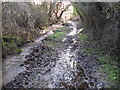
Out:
{"x": 66, "y": 66}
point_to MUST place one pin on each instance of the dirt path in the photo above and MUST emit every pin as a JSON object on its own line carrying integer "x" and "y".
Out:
{"x": 62, "y": 66}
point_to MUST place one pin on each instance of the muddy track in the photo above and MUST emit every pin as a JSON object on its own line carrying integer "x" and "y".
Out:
{"x": 67, "y": 66}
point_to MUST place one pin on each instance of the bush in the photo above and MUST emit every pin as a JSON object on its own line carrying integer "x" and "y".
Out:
{"x": 10, "y": 44}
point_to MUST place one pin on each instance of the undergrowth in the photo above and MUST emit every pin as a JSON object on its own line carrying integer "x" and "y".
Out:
{"x": 10, "y": 44}
{"x": 109, "y": 63}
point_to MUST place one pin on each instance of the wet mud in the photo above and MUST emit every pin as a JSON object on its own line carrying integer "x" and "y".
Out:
{"x": 66, "y": 66}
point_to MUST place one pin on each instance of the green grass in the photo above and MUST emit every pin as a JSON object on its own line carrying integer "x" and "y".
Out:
{"x": 113, "y": 72}
{"x": 110, "y": 67}
{"x": 57, "y": 36}
{"x": 19, "y": 50}
{"x": 103, "y": 59}
{"x": 109, "y": 64}
{"x": 82, "y": 37}
{"x": 54, "y": 39}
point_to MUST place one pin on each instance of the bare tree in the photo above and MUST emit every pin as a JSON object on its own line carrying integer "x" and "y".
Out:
{"x": 60, "y": 8}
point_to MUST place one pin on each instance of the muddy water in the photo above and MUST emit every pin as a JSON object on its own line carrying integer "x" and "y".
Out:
{"x": 11, "y": 66}
{"x": 60, "y": 68}
{"x": 67, "y": 72}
